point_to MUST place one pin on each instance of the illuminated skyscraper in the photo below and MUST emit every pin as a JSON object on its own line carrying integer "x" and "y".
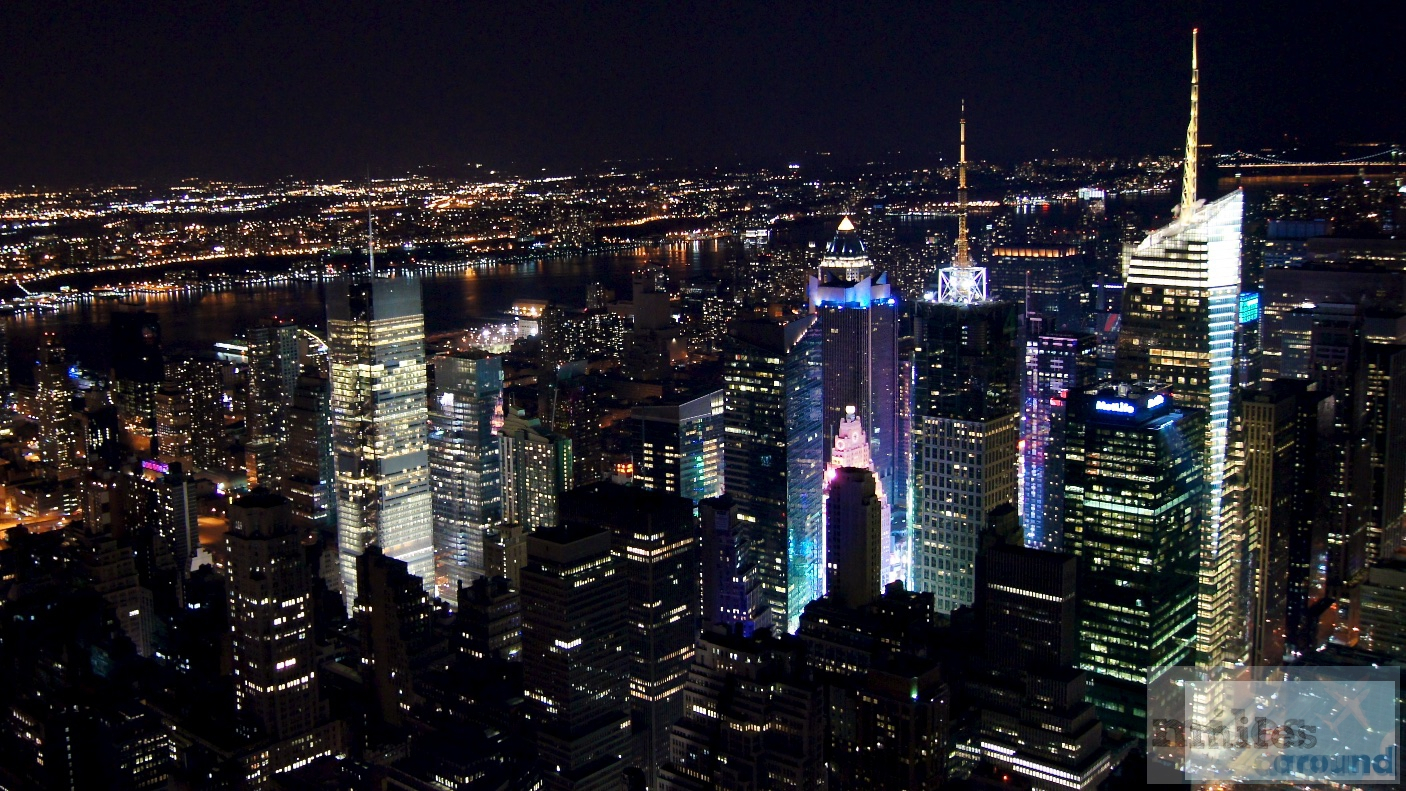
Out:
{"x": 376, "y": 348}
{"x": 1133, "y": 514}
{"x": 537, "y": 467}
{"x": 966, "y": 409}
{"x": 1179, "y": 323}
{"x": 270, "y": 614}
{"x": 198, "y": 386}
{"x": 308, "y": 479}
{"x": 965, "y": 426}
{"x": 1285, "y": 427}
{"x": 1055, "y": 365}
{"x": 60, "y": 444}
{"x": 273, "y": 375}
{"x": 4, "y": 362}
{"x": 859, "y": 322}
{"x": 775, "y": 462}
{"x": 575, "y": 663}
{"x": 465, "y": 472}
{"x": 678, "y": 447}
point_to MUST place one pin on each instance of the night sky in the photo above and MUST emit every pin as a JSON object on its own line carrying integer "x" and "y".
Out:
{"x": 161, "y": 90}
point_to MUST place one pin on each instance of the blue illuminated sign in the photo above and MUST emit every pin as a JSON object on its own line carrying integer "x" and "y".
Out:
{"x": 1249, "y": 307}
{"x": 1120, "y": 407}
{"x": 1156, "y": 401}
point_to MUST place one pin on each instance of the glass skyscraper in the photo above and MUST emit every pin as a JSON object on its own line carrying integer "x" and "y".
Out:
{"x": 466, "y": 414}
{"x": 678, "y": 447}
{"x": 1180, "y": 312}
{"x": 376, "y": 351}
{"x": 775, "y": 463}
{"x": 1133, "y": 516}
{"x": 1055, "y": 364}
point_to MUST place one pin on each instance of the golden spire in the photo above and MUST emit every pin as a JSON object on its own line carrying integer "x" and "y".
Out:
{"x": 963, "y": 257}
{"x": 1188, "y": 177}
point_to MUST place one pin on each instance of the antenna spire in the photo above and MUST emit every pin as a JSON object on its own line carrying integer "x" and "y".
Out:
{"x": 370, "y": 230}
{"x": 963, "y": 256}
{"x": 1188, "y": 177}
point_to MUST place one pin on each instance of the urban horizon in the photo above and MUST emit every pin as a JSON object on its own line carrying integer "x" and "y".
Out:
{"x": 832, "y": 474}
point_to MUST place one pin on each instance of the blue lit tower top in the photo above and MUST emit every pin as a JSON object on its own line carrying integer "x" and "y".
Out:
{"x": 962, "y": 283}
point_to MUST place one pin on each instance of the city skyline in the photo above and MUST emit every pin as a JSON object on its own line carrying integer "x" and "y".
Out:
{"x": 898, "y": 478}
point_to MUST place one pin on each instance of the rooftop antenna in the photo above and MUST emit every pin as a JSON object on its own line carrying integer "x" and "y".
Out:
{"x": 370, "y": 229}
{"x": 962, "y": 283}
{"x": 1188, "y": 176}
{"x": 963, "y": 257}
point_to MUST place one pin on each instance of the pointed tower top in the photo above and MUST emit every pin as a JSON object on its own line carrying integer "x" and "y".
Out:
{"x": 845, "y": 225}
{"x": 370, "y": 231}
{"x": 963, "y": 252}
{"x": 1188, "y": 178}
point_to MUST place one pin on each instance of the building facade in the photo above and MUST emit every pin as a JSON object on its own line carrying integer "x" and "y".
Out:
{"x": 376, "y": 352}
{"x": 466, "y": 480}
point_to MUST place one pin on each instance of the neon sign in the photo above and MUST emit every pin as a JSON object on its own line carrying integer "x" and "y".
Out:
{"x": 1120, "y": 407}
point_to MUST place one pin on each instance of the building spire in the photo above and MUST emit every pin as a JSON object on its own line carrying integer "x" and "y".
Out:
{"x": 370, "y": 230}
{"x": 1188, "y": 177}
{"x": 962, "y": 283}
{"x": 963, "y": 256}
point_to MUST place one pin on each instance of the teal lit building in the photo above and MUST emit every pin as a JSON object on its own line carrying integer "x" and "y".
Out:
{"x": 774, "y": 457}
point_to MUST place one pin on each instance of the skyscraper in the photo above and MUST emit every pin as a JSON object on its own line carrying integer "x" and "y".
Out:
{"x": 1055, "y": 365}
{"x": 537, "y": 467}
{"x": 1384, "y": 609}
{"x": 731, "y": 587}
{"x": 859, "y": 321}
{"x": 775, "y": 456}
{"x": 308, "y": 473}
{"x": 965, "y": 431}
{"x": 966, "y": 408}
{"x": 853, "y": 536}
{"x": 273, "y": 373}
{"x": 654, "y": 535}
{"x": 395, "y": 615}
{"x": 465, "y": 472}
{"x": 678, "y": 447}
{"x": 744, "y": 692}
{"x": 1285, "y": 426}
{"x": 270, "y": 614}
{"x": 1179, "y": 323}
{"x": 196, "y": 386}
{"x": 575, "y": 664}
{"x": 1128, "y": 444}
{"x": 60, "y": 444}
{"x": 1033, "y": 718}
{"x": 376, "y": 348}
{"x": 1046, "y": 278}
{"x": 273, "y": 376}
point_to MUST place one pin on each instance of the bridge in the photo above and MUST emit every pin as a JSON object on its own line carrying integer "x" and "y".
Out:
{"x": 1387, "y": 157}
